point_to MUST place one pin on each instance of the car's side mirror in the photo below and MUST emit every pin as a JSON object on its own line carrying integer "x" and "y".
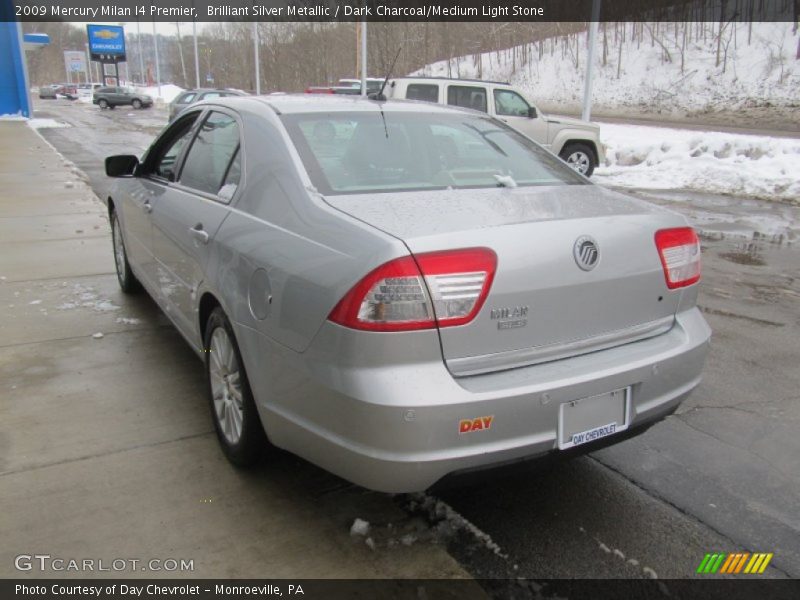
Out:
{"x": 122, "y": 165}
{"x": 532, "y": 112}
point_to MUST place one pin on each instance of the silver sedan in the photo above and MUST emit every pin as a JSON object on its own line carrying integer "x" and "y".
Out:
{"x": 397, "y": 291}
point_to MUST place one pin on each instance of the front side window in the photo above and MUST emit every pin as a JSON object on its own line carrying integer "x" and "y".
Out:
{"x": 423, "y": 91}
{"x": 510, "y": 104}
{"x": 161, "y": 160}
{"x": 363, "y": 152}
{"x": 467, "y": 97}
{"x": 211, "y": 154}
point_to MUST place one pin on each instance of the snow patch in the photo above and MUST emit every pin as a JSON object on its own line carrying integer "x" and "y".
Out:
{"x": 46, "y": 124}
{"x": 166, "y": 94}
{"x": 724, "y": 163}
{"x": 128, "y": 320}
{"x": 359, "y": 527}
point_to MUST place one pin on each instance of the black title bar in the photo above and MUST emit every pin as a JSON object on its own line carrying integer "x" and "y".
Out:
{"x": 100, "y": 11}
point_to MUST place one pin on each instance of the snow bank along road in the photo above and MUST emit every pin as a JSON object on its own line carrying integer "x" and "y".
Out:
{"x": 707, "y": 161}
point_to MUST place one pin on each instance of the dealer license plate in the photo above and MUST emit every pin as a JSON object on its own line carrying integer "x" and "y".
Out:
{"x": 590, "y": 419}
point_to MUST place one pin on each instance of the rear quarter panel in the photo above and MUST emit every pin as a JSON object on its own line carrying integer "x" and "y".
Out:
{"x": 281, "y": 240}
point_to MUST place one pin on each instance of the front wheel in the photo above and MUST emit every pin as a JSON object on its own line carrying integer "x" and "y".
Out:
{"x": 127, "y": 280}
{"x": 233, "y": 409}
{"x": 580, "y": 157}
{"x": 137, "y": 104}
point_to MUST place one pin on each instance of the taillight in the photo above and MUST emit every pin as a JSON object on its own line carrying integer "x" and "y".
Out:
{"x": 444, "y": 288}
{"x": 679, "y": 250}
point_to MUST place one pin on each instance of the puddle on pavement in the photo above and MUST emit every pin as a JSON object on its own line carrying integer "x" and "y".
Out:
{"x": 743, "y": 231}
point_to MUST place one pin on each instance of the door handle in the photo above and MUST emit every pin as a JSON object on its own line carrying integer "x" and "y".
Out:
{"x": 200, "y": 234}
{"x": 147, "y": 207}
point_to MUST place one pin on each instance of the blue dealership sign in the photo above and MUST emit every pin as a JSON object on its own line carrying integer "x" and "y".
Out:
{"x": 106, "y": 43}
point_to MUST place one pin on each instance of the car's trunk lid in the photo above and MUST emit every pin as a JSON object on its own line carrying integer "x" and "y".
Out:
{"x": 542, "y": 305}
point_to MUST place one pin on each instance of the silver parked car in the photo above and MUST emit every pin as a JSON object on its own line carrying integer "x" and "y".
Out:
{"x": 398, "y": 291}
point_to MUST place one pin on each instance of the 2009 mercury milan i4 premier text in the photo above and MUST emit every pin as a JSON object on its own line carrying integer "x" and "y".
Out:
{"x": 398, "y": 291}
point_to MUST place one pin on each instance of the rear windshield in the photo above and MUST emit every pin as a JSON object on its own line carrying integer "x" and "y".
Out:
{"x": 362, "y": 152}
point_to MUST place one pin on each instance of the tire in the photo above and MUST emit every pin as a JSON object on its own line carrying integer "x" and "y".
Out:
{"x": 127, "y": 280}
{"x": 230, "y": 396}
{"x": 580, "y": 157}
{"x": 137, "y": 104}
{"x": 102, "y": 103}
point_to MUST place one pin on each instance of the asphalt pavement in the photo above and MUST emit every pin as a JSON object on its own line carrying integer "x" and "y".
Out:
{"x": 722, "y": 474}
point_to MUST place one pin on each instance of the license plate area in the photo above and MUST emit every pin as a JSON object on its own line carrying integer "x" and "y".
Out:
{"x": 593, "y": 418}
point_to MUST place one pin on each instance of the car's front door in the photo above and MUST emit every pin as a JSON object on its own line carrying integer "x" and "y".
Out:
{"x": 191, "y": 211}
{"x": 158, "y": 171}
{"x": 510, "y": 107}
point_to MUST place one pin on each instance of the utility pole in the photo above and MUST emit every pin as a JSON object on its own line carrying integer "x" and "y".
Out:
{"x": 255, "y": 58}
{"x": 180, "y": 51}
{"x": 587, "y": 89}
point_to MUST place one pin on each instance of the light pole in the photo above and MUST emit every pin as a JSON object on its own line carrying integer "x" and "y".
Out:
{"x": 196, "y": 57}
{"x": 158, "y": 68}
{"x": 587, "y": 88}
{"x": 139, "y": 45}
{"x": 180, "y": 51}
{"x": 255, "y": 58}
{"x": 89, "y": 74}
{"x": 364, "y": 57}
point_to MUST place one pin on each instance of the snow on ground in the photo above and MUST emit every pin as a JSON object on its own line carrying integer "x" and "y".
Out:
{"x": 757, "y": 68}
{"x": 726, "y": 163}
{"x": 167, "y": 92}
{"x": 46, "y": 124}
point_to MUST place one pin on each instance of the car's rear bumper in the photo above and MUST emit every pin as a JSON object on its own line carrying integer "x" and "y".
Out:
{"x": 391, "y": 422}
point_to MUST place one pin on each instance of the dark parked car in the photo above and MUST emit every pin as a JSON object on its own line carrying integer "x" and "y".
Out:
{"x": 111, "y": 97}
{"x": 188, "y": 97}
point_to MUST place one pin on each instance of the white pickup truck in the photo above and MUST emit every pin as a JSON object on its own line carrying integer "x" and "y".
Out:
{"x": 576, "y": 142}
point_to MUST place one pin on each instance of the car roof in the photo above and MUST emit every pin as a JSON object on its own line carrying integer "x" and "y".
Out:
{"x": 205, "y": 90}
{"x": 313, "y": 103}
{"x": 449, "y": 80}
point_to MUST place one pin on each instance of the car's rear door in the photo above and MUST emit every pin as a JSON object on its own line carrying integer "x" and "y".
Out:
{"x": 190, "y": 212}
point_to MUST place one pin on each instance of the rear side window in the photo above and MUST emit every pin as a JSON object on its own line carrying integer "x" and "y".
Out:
{"x": 423, "y": 91}
{"x": 467, "y": 96}
{"x": 211, "y": 154}
{"x": 186, "y": 98}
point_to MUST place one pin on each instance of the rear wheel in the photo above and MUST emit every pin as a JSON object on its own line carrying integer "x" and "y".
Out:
{"x": 580, "y": 157}
{"x": 137, "y": 104}
{"x": 127, "y": 280}
{"x": 233, "y": 409}
{"x": 102, "y": 103}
